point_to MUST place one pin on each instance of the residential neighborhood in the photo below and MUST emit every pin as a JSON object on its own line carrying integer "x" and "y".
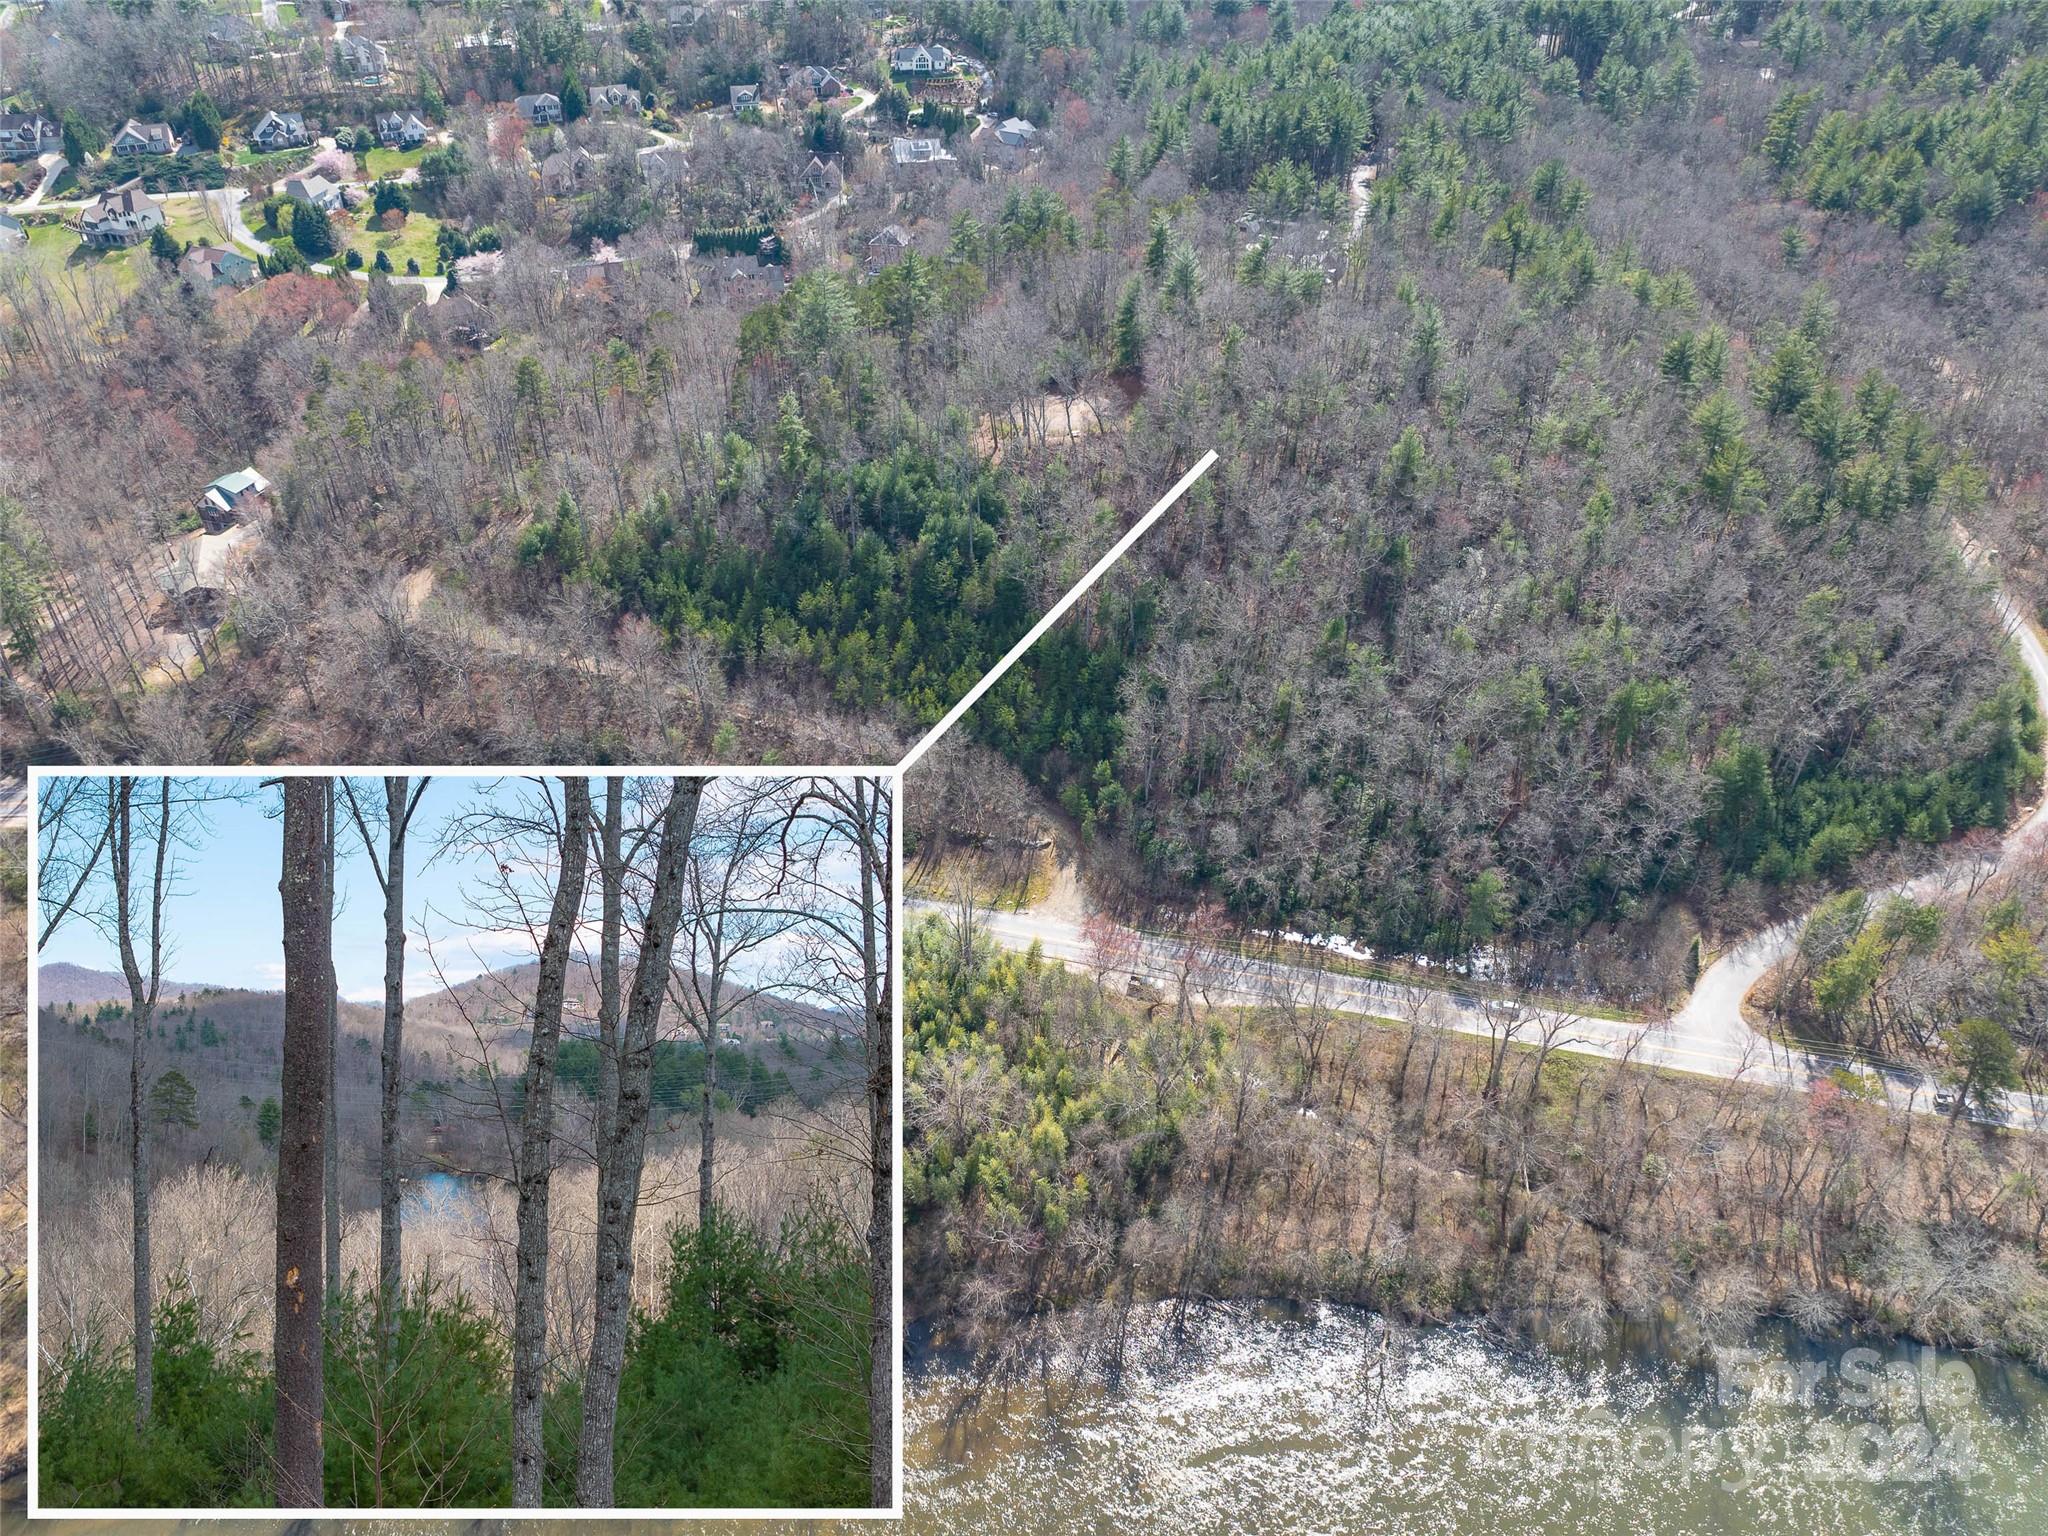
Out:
{"x": 430, "y": 177}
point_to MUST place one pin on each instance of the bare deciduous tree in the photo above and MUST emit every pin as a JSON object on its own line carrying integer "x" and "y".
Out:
{"x": 620, "y": 1159}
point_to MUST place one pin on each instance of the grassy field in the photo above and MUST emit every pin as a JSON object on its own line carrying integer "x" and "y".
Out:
{"x": 389, "y": 162}
{"x": 57, "y": 250}
{"x": 415, "y": 239}
{"x": 191, "y": 224}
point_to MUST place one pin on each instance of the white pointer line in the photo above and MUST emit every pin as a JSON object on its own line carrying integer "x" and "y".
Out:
{"x": 1056, "y": 612}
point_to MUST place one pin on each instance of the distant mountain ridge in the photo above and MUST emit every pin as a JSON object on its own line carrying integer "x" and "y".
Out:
{"x": 62, "y": 982}
{"x": 495, "y": 999}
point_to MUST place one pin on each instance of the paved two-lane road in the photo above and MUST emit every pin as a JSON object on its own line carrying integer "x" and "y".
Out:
{"x": 1709, "y": 1035}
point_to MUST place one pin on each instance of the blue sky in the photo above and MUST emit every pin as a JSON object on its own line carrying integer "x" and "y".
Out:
{"x": 225, "y": 926}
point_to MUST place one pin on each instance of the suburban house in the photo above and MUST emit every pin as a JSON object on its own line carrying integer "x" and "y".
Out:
{"x": 361, "y": 60}
{"x": 232, "y": 37}
{"x": 1018, "y": 133}
{"x": 315, "y": 189}
{"x": 745, "y": 96}
{"x": 144, "y": 139}
{"x": 602, "y": 265}
{"x": 822, "y": 181}
{"x": 683, "y": 17}
{"x": 478, "y": 268}
{"x": 922, "y": 59}
{"x": 400, "y": 130}
{"x": 539, "y": 107}
{"x": 120, "y": 217}
{"x": 567, "y": 169}
{"x": 615, "y": 98}
{"x": 820, "y": 83}
{"x": 918, "y": 151}
{"x": 24, "y": 135}
{"x": 457, "y": 321}
{"x": 13, "y": 233}
{"x": 886, "y": 247}
{"x": 662, "y": 165}
{"x": 231, "y": 498}
{"x": 217, "y": 266}
{"x": 280, "y": 130}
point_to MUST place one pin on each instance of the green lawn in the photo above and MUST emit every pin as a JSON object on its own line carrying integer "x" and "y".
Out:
{"x": 191, "y": 224}
{"x": 381, "y": 162}
{"x": 57, "y": 250}
{"x": 415, "y": 239}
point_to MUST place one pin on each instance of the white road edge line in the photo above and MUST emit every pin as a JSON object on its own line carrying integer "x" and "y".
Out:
{"x": 1053, "y": 614}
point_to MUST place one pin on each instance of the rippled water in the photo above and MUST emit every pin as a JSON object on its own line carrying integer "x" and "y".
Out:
{"x": 1270, "y": 1424}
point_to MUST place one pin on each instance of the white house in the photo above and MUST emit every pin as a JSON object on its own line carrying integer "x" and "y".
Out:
{"x": 539, "y": 107}
{"x": 24, "y": 135}
{"x": 315, "y": 189}
{"x": 745, "y": 96}
{"x": 1018, "y": 133}
{"x": 280, "y": 130}
{"x": 918, "y": 151}
{"x": 400, "y": 130}
{"x": 136, "y": 138}
{"x": 120, "y": 217}
{"x": 922, "y": 59}
{"x": 620, "y": 98}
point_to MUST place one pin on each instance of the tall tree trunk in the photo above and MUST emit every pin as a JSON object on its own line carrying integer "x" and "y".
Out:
{"x": 331, "y": 1169}
{"x": 142, "y": 995}
{"x": 390, "y": 1238}
{"x": 620, "y": 1163}
{"x": 301, "y": 1151}
{"x": 536, "y": 1150}
{"x": 876, "y": 924}
{"x": 707, "y": 1128}
{"x": 612, "y": 872}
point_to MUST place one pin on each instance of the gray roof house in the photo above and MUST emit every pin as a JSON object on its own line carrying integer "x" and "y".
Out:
{"x": 13, "y": 233}
{"x": 218, "y": 266}
{"x": 822, "y": 180}
{"x": 886, "y": 247}
{"x": 819, "y": 82}
{"x": 280, "y": 130}
{"x": 539, "y": 107}
{"x": 615, "y": 98}
{"x": 120, "y": 217}
{"x": 232, "y": 35}
{"x": 662, "y": 165}
{"x": 567, "y": 169}
{"x": 918, "y": 151}
{"x": 401, "y": 130}
{"x": 922, "y": 59}
{"x": 1018, "y": 133}
{"x": 136, "y": 138}
{"x": 315, "y": 189}
{"x": 361, "y": 60}
{"x": 26, "y": 134}
{"x": 745, "y": 96}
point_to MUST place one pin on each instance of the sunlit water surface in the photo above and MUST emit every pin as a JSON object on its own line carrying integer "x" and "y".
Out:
{"x": 1322, "y": 1424}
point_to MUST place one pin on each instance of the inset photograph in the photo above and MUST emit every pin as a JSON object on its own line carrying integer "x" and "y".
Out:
{"x": 463, "y": 1142}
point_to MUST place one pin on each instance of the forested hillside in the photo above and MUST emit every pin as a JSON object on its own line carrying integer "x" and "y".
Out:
{"x": 1598, "y": 391}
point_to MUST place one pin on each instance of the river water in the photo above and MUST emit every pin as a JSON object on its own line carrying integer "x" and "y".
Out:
{"x": 1326, "y": 1423}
